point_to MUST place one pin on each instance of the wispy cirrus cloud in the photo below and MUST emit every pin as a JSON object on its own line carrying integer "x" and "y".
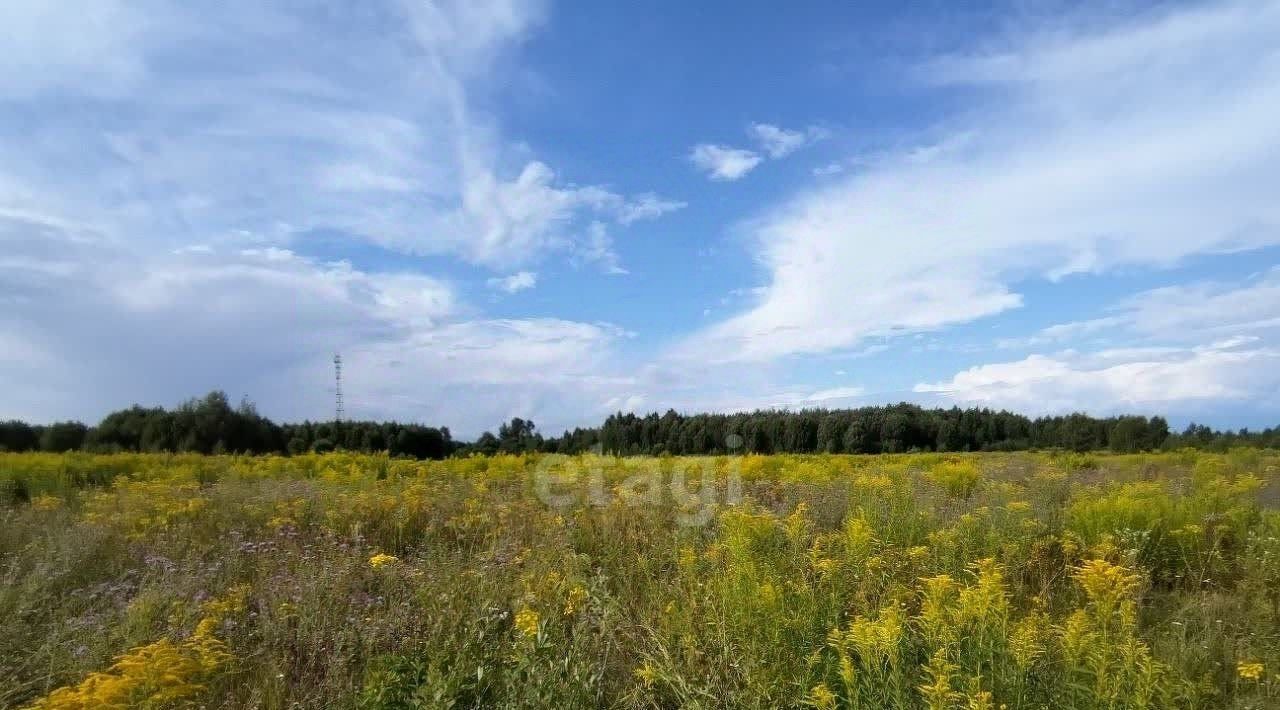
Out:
{"x": 1192, "y": 312}
{"x": 597, "y": 250}
{"x": 1124, "y": 141}
{"x": 167, "y": 163}
{"x": 373, "y": 132}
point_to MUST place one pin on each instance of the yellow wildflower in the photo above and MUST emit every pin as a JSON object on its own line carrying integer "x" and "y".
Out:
{"x": 158, "y": 674}
{"x": 1026, "y": 642}
{"x": 382, "y": 559}
{"x": 1104, "y": 581}
{"x": 825, "y": 566}
{"x": 938, "y": 694}
{"x": 859, "y": 537}
{"x": 1111, "y": 590}
{"x": 1249, "y": 670}
{"x": 980, "y": 700}
{"x": 573, "y": 601}
{"x": 45, "y": 501}
{"x": 527, "y": 621}
{"x": 876, "y": 642}
{"x": 822, "y": 698}
{"x": 936, "y": 612}
{"x": 985, "y": 603}
{"x": 647, "y": 674}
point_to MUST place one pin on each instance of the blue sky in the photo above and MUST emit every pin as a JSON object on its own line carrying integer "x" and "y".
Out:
{"x": 554, "y": 210}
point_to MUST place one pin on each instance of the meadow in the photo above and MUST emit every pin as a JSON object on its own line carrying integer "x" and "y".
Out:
{"x": 1019, "y": 580}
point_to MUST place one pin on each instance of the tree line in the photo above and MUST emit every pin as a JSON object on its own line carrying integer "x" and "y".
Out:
{"x": 211, "y": 425}
{"x": 896, "y": 428}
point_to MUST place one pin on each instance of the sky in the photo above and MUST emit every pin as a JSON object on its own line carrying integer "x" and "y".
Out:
{"x": 560, "y": 210}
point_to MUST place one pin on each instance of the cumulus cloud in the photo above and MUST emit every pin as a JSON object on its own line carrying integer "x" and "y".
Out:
{"x": 726, "y": 163}
{"x": 116, "y": 326}
{"x": 265, "y": 322}
{"x": 1143, "y": 379}
{"x": 1137, "y": 143}
{"x": 1165, "y": 349}
{"x": 510, "y": 223}
{"x": 723, "y": 163}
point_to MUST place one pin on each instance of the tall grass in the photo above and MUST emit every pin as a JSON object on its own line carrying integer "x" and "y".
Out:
{"x": 908, "y": 581}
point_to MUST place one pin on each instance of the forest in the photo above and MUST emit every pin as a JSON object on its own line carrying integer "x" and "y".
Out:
{"x": 212, "y": 425}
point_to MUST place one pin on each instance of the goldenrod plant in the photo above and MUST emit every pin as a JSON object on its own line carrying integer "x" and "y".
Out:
{"x": 955, "y": 581}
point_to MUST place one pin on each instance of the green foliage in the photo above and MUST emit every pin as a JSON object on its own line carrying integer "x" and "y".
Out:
{"x": 400, "y": 682}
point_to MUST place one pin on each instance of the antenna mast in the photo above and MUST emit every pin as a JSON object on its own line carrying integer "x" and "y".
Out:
{"x": 337, "y": 381}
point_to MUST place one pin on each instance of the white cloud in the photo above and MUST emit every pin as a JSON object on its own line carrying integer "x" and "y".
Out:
{"x": 514, "y": 283}
{"x": 166, "y": 165}
{"x": 598, "y": 250}
{"x": 547, "y": 351}
{"x": 1145, "y": 380}
{"x": 779, "y": 142}
{"x": 1139, "y": 144}
{"x": 468, "y": 34}
{"x": 116, "y": 326}
{"x": 278, "y": 121}
{"x": 1135, "y": 49}
{"x": 98, "y": 47}
{"x": 265, "y": 323}
{"x": 1185, "y": 313}
{"x": 511, "y": 223}
{"x": 1179, "y": 348}
{"x": 647, "y": 206}
{"x": 1061, "y": 332}
{"x": 553, "y": 371}
{"x": 1206, "y": 308}
{"x": 631, "y": 403}
{"x": 722, "y": 162}
{"x": 836, "y": 393}
{"x": 726, "y": 163}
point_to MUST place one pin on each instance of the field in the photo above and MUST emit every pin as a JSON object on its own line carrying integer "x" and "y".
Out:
{"x": 1033, "y": 580}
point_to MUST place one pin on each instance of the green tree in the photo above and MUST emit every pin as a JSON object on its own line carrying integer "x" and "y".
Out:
{"x": 63, "y": 436}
